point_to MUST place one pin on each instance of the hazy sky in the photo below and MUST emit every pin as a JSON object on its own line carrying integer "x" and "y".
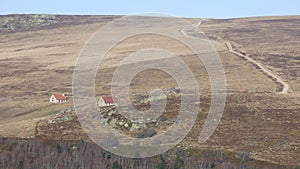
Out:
{"x": 187, "y": 8}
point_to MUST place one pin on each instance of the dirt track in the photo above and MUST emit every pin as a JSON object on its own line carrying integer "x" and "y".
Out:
{"x": 274, "y": 77}
{"x": 269, "y": 73}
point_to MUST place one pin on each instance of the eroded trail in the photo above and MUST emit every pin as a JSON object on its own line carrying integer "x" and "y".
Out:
{"x": 274, "y": 77}
{"x": 285, "y": 86}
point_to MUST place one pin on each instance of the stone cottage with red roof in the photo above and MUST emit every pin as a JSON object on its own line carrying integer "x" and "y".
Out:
{"x": 107, "y": 101}
{"x": 58, "y": 98}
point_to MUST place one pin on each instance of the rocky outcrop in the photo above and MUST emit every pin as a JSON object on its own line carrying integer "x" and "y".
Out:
{"x": 17, "y": 23}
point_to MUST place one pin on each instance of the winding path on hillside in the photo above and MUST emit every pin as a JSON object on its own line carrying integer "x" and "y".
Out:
{"x": 270, "y": 74}
{"x": 184, "y": 33}
{"x": 258, "y": 65}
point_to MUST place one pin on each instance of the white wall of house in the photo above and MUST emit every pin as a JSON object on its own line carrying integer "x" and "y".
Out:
{"x": 53, "y": 99}
{"x": 62, "y": 101}
{"x": 101, "y": 102}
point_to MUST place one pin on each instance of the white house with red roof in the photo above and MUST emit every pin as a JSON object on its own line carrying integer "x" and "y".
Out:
{"x": 107, "y": 101}
{"x": 58, "y": 98}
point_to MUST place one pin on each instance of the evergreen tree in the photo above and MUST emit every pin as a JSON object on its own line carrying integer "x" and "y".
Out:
{"x": 116, "y": 165}
{"x": 162, "y": 164}
{"x": 21, "y": 165}
{"x": 178, "y": 162}
{"x": 58, "y": 148}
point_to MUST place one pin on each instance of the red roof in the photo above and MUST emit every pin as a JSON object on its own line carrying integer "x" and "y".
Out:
{"x": 109, "y": 99}
{"x": 60, "y": 97}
